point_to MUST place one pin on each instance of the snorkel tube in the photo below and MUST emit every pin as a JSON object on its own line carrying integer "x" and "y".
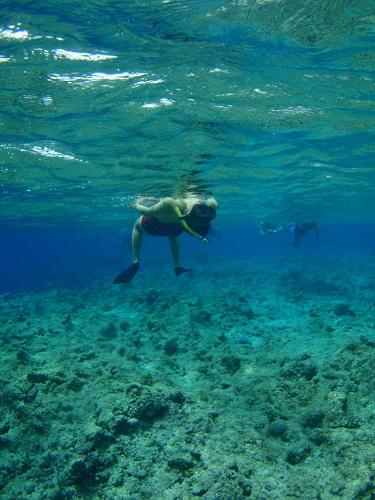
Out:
{"x": 187, "y": 228}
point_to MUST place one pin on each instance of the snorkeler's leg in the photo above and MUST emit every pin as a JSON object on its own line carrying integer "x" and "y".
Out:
{"x": 129, "y": 273}
{"x": 296, "y": 239}
{"x": 137, "y": 237}
{"x": 296, "y": 233}
{"x": 175, "y": 251}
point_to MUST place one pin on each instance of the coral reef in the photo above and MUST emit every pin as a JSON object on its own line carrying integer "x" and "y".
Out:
{"x": 244, "y": 383}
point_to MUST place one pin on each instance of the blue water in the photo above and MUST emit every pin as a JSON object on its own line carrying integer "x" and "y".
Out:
{"x": 47, "y": 258}
{"x": 250, "y": 376}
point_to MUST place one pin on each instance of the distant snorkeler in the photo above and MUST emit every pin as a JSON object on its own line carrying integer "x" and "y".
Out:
{"x": 169, "y": 217}
{"x": 297, "y": 230}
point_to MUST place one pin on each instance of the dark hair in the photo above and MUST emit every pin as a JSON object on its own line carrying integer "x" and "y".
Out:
{"x": 201, "y": 213}
{"x": 199, "y": 218}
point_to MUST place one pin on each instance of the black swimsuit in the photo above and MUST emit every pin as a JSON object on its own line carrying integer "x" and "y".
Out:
{"x": 154, "y": 227}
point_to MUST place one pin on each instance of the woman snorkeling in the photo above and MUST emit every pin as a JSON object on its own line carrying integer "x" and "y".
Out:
{"x": 169, "y": 217}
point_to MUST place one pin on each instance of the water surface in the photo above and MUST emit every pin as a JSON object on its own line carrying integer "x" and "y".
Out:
{"x": 268, "y": 104}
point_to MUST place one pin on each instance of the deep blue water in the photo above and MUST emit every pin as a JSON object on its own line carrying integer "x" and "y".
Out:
{"x": 44, "y": 258}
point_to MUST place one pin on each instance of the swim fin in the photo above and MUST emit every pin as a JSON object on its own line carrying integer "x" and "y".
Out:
{"x": 179, "y": 270}
{"x": 127, "y": 275}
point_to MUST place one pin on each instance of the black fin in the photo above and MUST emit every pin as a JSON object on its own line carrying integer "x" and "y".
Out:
{"x": 179, "y": 270}
{"x": 127, "y": 275}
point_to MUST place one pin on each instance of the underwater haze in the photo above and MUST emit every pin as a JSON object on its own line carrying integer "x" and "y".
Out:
{"x": 251, "y": 375}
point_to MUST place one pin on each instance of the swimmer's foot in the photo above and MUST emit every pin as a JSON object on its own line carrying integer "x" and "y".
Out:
{"x": 127, "y": 275}
{"x": 179, "y": 270}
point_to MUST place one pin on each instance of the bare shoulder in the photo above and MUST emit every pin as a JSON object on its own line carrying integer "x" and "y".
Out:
{"x": 167, "y": 200}
{"x": 170, "y": 202}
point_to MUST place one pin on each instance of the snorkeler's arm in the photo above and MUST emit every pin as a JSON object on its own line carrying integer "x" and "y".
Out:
{"x": 186, "y": 227}
{"x": 293, "y": 229}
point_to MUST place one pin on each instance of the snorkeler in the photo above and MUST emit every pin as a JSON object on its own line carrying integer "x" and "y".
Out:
{"x": 169, "y": 217}
{"x": 266, "y": 227}
{"x": 300, "y": 229}
{"x": 297, "y": 229}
